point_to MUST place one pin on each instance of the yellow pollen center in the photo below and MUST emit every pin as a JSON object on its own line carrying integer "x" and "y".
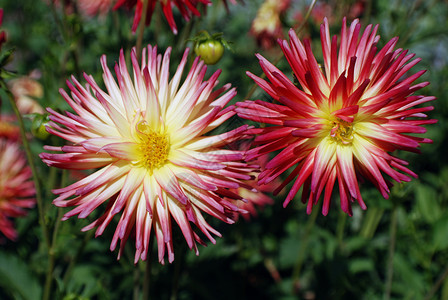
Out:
{"x": 341, "y": 131}
{"x": 154, "y": 149}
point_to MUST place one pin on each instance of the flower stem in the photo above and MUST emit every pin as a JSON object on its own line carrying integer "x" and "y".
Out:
{"x": 340, "y": 228}
{"x": 136, "y": 292}
{"x": 179, "y": 263}
{"x": 437, "y": 284}
{"x": 141, "y": 29}
{"x": 51, "y": 257}
{"x": 51, "y": 250}
{"x": 305, "y": 19}
{"x": 391, "y": 252}
{"x": 147, "y": 277}
{"x": 29, "y": 156}
{"x": 75, "y": 259}
{"x": 303, "y": 249}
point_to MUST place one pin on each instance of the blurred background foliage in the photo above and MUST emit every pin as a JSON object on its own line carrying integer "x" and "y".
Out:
{"x": 396, "y": 249}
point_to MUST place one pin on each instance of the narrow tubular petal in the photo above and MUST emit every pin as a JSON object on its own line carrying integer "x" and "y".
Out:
{"x": 146, "y": 132}
{"x": 340, "y": 121}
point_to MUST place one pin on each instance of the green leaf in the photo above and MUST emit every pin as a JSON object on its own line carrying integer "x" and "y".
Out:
{"x": 371, "y": 221}
{"x": 17, "y": 279}
{"x": 427, "y": 203}
{"x": 440, "y": 233}
{"x": 361, "y": 265}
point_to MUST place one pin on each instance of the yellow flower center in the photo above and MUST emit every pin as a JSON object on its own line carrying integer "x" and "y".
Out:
{"x": 342, "y": 131}
{"x": 154, "y": 148}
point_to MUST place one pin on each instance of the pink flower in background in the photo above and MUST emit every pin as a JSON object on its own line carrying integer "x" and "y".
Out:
{"x": 26, "y": 90}
{"x": 94, "y": 7}
{"x": 187, "y": 8}
{"x": 267, "y": 27}
{"x": 146, "y": 134}
{"x": 16, "y": 188}
{"x": 8, "y": 130}
{"x": 342, "y": 120}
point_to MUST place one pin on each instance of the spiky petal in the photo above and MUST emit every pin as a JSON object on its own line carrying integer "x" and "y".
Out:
{"x": 187, "y": 8}
{"x": 146, "y": 136}
{"x": 16, "y": 187}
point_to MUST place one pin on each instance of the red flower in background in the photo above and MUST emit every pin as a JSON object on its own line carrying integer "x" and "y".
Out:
{"x": 343, "y": 120}
{"x": 2, "y": 33}
{"x": 8, "y": 130}
{"x": 16, "y": 188}
{"x": 187, "y": 8}
{"x": 267, "y": 26}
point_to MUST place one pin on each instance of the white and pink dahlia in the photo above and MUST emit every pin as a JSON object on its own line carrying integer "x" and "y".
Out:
{"x": 147, "y": 136}
{"x": 342, "y": 120}
{"x": 16, "y": 187}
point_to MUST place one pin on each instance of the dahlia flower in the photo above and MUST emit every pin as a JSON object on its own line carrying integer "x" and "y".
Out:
{"x": 267, "y": 26}
{"x": 187, "y": 8}
{"x": 147, "y": 137}
{"x": 26, "y": 90}
{"x": 16, "y": 188}
{"x": 341, "y": 121}
{"x": 8, "y": 130}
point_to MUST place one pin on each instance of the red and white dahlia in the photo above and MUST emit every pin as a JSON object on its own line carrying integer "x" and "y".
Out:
{"x": 16, "y": 187}
{"x": 187, "y": 8}
{"x": 342, "y": 121}
{"x": 146, "y": 134}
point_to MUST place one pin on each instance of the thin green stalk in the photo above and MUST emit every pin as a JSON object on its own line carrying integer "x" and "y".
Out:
{"x": 307, "y": 15}
{"x": 178, "y": 264}
{"x": 368, "y": 12}
{"x": 50, "y": 182}
{"x": 51, "y": 257}
{"x": 340, "y": 227}
{"x": 437, "y": 284}
{"x": 304, "y": 247}
{"x": 75, "y": 259}
{"x": 147, "y": 277}
{"x": 30, "y": 158}
{"x": 391, "y": 252}
{"x": 60, "y": 24}
{"x": 51, "y": 250}
{"x": 136, "y": 291}
{"x": 141, "y": 28}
